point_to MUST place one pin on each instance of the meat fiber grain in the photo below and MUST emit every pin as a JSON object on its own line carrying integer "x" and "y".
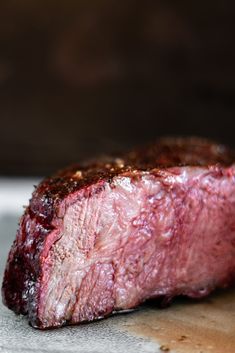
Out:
{"x": 103, "y": 237}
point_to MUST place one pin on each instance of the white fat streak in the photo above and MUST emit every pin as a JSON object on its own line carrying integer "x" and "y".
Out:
{"x": 125, "y": 183}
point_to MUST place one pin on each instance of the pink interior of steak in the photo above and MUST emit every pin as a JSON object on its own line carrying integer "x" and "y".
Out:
{"x": 139, "y": 238}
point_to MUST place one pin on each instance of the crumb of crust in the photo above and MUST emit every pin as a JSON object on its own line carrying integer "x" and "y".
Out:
{"x": 164, "y": 348}
{"x": 182, "y": 338}
{"x": 119, "y": 162}
{"x": 78, "y": 174}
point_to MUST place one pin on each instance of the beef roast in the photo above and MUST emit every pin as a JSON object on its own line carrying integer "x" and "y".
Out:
{"x": 104, "y": 237}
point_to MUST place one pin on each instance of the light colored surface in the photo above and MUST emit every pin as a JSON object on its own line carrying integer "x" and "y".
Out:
{"x": 14, "y": 194}
{"x": 185, "y": 327}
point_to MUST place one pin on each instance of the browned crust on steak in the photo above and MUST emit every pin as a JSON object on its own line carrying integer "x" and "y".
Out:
{"x": 165, "y": 153}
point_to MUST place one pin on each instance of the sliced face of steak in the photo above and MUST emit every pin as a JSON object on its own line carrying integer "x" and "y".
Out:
{"x": 96, "y": 239}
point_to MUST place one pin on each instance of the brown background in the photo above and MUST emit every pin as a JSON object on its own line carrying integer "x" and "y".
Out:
{"x": 78, "y": 78}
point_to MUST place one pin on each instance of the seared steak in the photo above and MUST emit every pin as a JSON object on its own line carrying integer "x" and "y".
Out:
{"x": 104, "y": 237}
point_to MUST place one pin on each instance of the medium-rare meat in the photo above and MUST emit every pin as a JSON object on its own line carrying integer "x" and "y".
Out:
{"x": 104, "y": 237}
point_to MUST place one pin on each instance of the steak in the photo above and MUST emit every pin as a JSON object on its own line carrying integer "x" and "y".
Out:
{"x": 98, "y": 238}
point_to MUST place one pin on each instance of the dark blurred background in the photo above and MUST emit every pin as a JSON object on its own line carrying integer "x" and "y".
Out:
{"x": 79, "y": 78}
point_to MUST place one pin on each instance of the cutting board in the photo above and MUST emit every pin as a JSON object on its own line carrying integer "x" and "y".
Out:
{"x": 206, "y": 326}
